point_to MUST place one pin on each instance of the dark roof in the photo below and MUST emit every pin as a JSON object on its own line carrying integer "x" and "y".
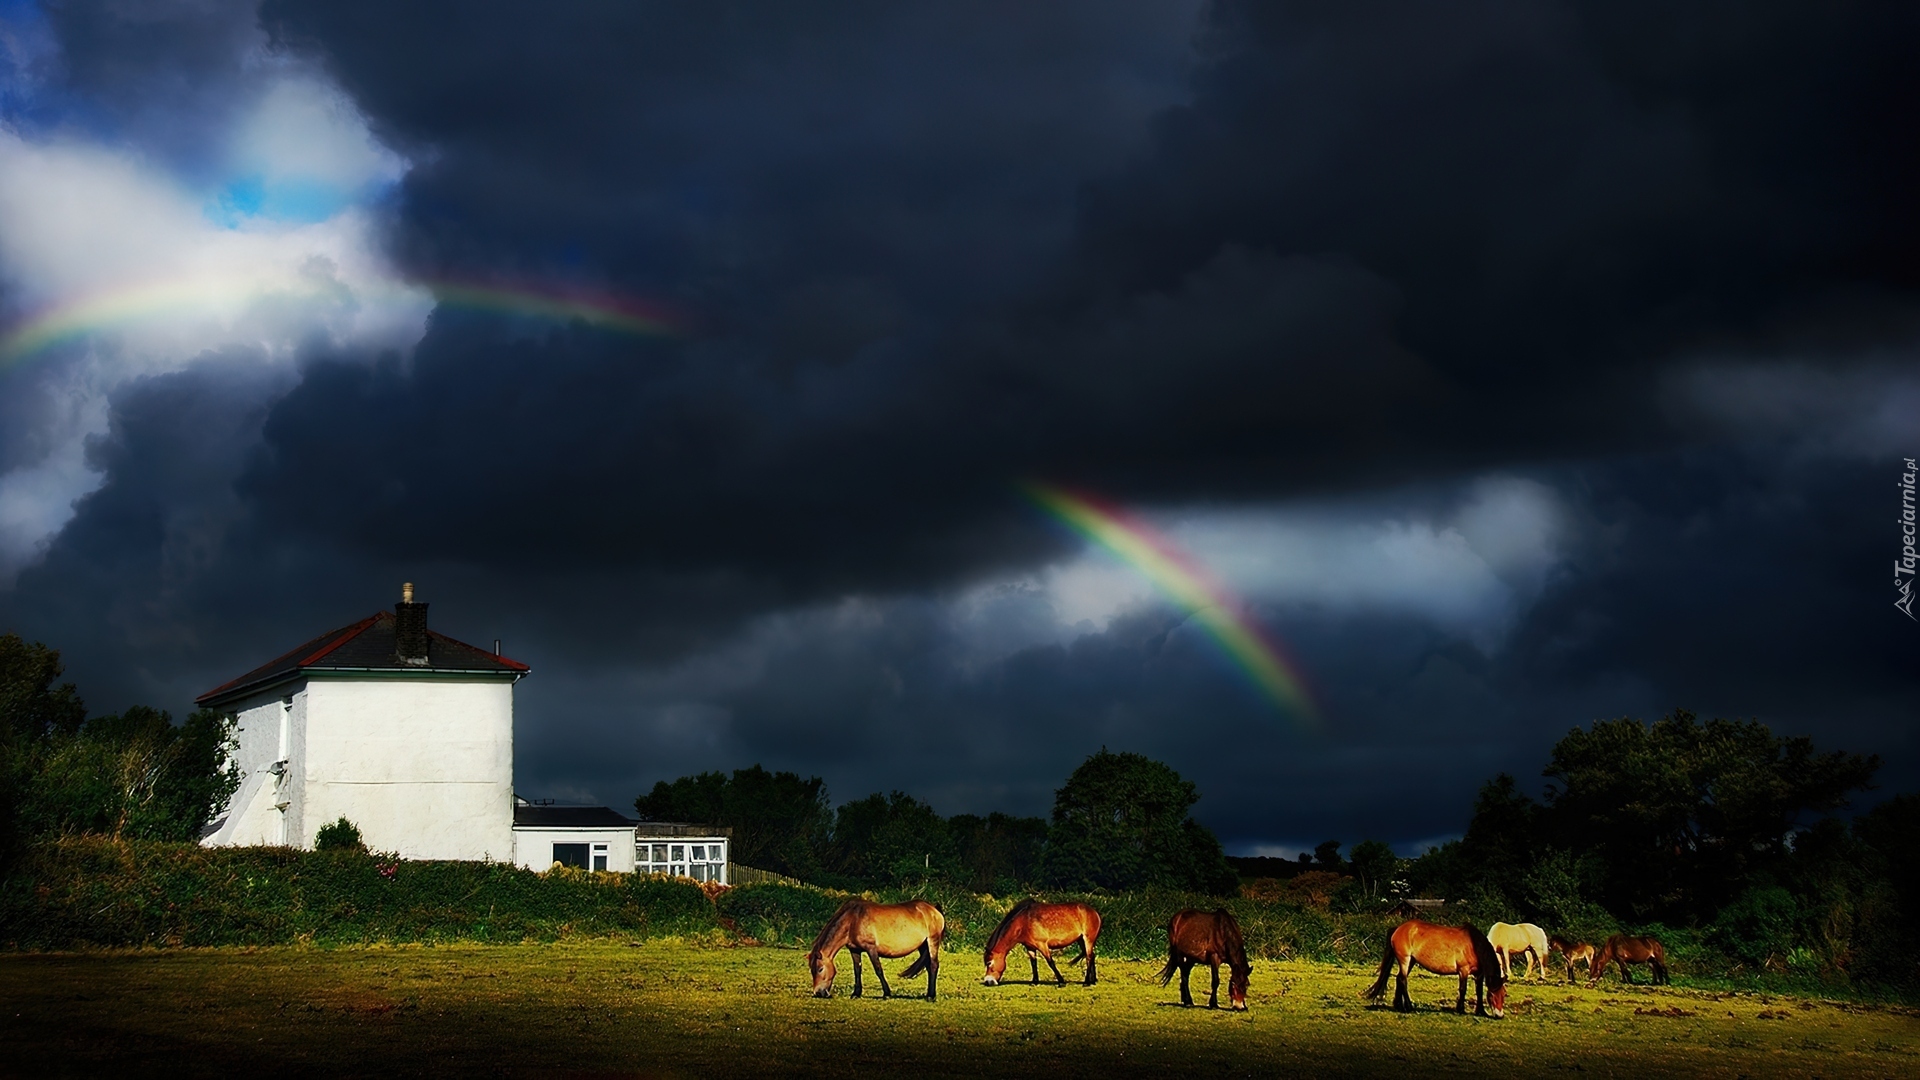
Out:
{"x": 571, "y": 817}
{"x": 368, "y": 645}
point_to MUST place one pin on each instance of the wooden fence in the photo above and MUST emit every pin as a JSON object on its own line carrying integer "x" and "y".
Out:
{"x": 747, "y": 875}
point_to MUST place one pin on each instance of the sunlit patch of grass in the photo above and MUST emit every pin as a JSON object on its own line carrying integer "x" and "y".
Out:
{"x": 676, "y": 1009}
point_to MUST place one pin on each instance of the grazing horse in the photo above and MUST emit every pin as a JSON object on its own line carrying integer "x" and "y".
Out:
{"x": 1211, "y": 938}
{"x": 1042, "y": 928}
{"x": 1629, "y": 950}
{"x": 1444, "y": 950}
{"x": 865, "y": 928}
{"x": 1523, "y": 938}
{"x": 1583, "y": 952}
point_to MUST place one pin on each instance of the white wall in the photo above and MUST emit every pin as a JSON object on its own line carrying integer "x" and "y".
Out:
{"x": 424, "y": 767}
{"x": 252, "y": 816}
{"x": 533, "y": 845}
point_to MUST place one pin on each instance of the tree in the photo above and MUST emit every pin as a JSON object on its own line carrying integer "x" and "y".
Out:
{"x": 1684, "y": 816}
{"x": 1501, "y": 842}
{"x": 999, "y": 853}
{"x": 135, "y": 775}
{"x": 31, "y": 708}
{"x": 1375, "y": 867}
{"x": 892, "y": 839}
{"x": 1121, "y": 823}
{"x": 779, "y": 821}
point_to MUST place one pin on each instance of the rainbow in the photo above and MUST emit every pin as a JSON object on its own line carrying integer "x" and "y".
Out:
{"x": 132, "y": 304}
{"x": 1190, "y": 587}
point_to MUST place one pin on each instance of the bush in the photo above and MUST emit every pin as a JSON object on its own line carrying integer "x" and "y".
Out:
{"x": 779, "y": 914}
{"x": 1758, "y": 926}
{"x": 341, "y": 835}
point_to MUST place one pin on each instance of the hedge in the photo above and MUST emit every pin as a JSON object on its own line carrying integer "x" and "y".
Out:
{"x": 94, "y": 891}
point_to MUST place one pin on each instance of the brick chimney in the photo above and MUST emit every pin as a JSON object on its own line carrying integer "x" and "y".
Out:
{"x": 410, "y": 628}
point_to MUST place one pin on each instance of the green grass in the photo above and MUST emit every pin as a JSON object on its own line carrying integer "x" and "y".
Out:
{"x": 670, "y": 1008}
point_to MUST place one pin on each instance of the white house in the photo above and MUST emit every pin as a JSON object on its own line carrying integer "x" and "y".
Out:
{"x": 403, "y": 731}
{"x": 589, "y": 837}
{"x": 408, "y": 734}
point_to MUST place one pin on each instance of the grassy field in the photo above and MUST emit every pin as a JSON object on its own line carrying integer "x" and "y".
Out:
{"x": 670, "y": 1009}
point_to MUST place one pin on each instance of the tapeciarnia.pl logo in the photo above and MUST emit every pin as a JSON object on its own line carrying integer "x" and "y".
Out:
{"x": 1904, "y": 564}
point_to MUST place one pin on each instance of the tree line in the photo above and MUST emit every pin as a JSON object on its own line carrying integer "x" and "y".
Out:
{"x": 1721, "y": 827}
{"x": 1121, "y": 821}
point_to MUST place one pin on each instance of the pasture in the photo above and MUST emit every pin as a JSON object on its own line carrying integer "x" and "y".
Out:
{"x": 666, "y": 1008}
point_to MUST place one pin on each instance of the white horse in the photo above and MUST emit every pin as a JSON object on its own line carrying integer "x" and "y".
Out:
{"x": 1524, "y": 938}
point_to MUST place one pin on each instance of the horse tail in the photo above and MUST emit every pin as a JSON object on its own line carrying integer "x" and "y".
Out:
{"x": 919, "y": 965}
{"x": 1173, "y": 965}
{"x": 1173, "y": 953}
{"x": 1379, "y": 986}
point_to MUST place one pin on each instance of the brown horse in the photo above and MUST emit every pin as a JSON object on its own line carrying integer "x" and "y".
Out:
{"x": 1042, "y": 928}
{"x": 1211, "y": 938}
{"x": 1444, "y": 950}
{"x": 1572, "y": 953}
{"x": 865, "y": 928}
{"x": 1629, "y": 950}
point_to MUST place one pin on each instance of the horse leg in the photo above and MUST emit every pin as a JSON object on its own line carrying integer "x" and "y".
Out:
{"x": 1213, "y": 995}
{"x": 931, "y": 956}
{"x": 1036, "y": 965}
{"x": 1087, "y": 948}
{"x": 1402, "y": 1001}
{"x": 885, "y": 990}
{"x": 855, "y": 953}
{"x": 1186, "y": 966}
{"x": 1047, "y": 955}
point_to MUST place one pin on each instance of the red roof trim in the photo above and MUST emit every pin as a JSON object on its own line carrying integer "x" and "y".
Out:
{"x": 495, "y": 657}
{"x": 342, "y": 635}
{"x": 346, "y": 635}
{"x": 285, "y": 666}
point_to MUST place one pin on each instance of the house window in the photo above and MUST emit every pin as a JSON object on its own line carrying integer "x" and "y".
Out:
{"x": 599, "y": 856}
{"x": 571, "y": 855}
{"x": 705, "y": 861}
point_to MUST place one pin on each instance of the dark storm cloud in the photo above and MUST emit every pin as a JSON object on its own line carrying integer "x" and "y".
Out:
{"x": 167, "y": 78}
{"x": 933, "y": 249}
{"x": 927, "y": 250}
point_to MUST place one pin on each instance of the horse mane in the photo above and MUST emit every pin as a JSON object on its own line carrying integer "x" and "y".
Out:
{"x": 839, "y": 920}
{"x": 1006, "y": 924}
{"x": 1227, "y": 929}
{"x": 1483, "y": 956}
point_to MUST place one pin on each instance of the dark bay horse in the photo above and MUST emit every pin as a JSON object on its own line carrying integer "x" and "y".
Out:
{"x": 1628, "y": 950}
{"x": 1572, "y": 953}
{"x": 1211, "y": 938}
{"x": 1042, "y": 928}
{"x": 865, "y": 928}
{"x": 1444, "y": 950}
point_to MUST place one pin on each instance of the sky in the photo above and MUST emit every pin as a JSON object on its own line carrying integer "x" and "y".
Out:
{"x": 1501, "y": 366}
